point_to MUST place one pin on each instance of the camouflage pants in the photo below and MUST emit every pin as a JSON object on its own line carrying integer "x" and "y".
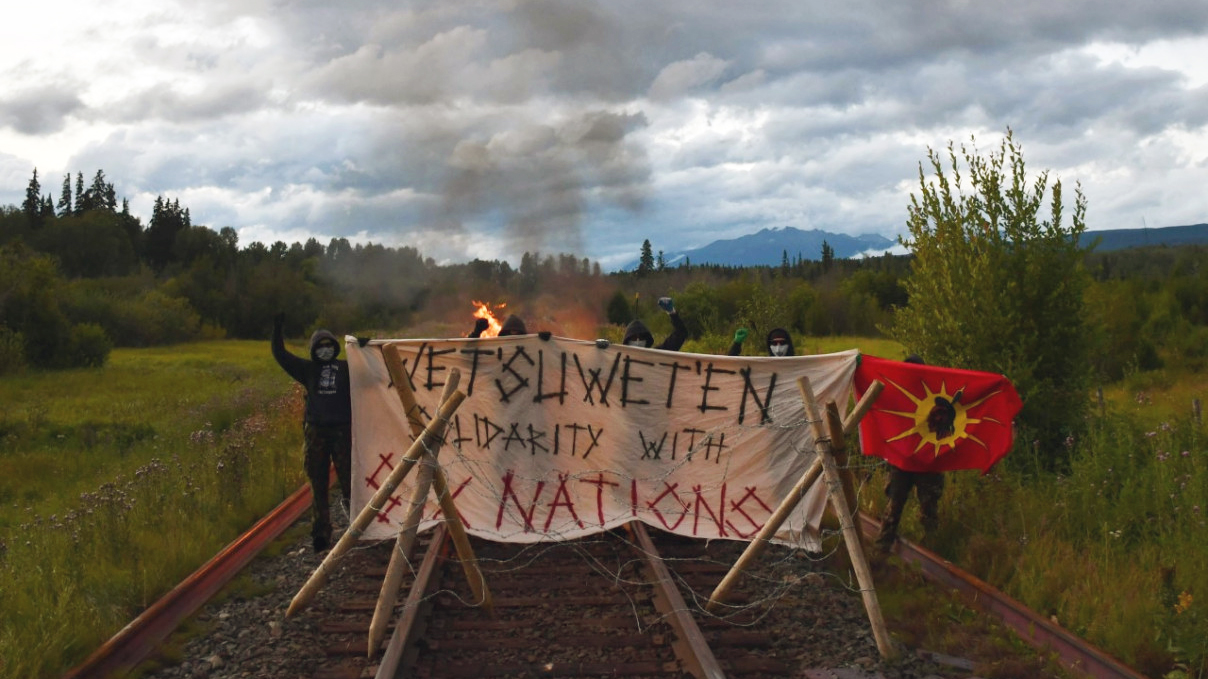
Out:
{"x": 324, "y": 446}
{"x": 928, "y": 487}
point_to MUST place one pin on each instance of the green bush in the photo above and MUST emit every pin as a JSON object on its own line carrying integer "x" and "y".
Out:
{"x": 147, "y": 318}
{"x": 12, "y": 351}
{"x": 997, "y": 284}
{"x": 89, "y": 347}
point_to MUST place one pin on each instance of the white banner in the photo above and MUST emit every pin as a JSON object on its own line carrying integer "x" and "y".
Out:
{"x": 561, "y": 438}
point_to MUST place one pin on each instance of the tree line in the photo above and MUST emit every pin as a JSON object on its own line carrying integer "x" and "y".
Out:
{"x": 989, "y": 284}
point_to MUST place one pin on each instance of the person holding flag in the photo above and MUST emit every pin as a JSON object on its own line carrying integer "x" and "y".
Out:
{"x": 928, "y": 488}
{"x": 929, "y": 420}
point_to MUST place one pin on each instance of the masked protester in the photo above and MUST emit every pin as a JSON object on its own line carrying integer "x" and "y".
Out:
{"x": 779, "y": 342}
{"x": 512, "y": 325}
{"x": 327, "y": 424}
{"x": 638, "y": 335}
{"x": 928, "y": 487}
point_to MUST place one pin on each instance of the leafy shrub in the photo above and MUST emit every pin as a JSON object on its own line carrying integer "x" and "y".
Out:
{"x": 997, "y": 284}
{"x": 89, "y": 346}
{"x": 148, "y": 318}
{"x": 12, "y": 351}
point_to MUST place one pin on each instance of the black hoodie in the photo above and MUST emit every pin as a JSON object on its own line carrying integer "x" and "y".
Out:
{"x": 679, "y": 334}
{"x": 328, "y": 392}
{"x": 780, "y": 332}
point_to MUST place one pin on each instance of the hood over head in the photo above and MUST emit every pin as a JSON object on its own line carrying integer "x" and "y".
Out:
{"x": 781, "y": 333}
{"x": 321, "y": 336}
{"x": 637, "y": 330}
{"x": 513, "y": 325}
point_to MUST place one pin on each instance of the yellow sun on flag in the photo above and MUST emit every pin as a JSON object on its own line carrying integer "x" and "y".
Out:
{"x": 939, "y": 418}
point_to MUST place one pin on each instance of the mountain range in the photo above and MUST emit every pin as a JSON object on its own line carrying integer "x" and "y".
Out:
{"x": 769, "y": 247}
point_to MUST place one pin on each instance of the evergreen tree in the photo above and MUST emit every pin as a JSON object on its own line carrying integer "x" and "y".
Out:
{"x": 65, "y": 196}
{"x": 167, "y": 221}
{"x": 79, "y": 193}
{"x": 100, "y": 195}
{"x": 660, "y": 262}
{"x": 828, "y": 256}
{"x": 646, "y": 259}
{"x": 32, "y": 205}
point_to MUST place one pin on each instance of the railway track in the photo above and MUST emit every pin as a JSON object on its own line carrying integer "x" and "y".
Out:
{"x": 625, "y": 603}
{"x": 605, "y": 606}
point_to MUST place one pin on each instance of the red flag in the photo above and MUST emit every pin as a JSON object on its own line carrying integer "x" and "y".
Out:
{"x": 933, "y": 419}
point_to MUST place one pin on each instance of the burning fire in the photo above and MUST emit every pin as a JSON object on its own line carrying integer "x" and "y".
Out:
{"x": 483, "y": 310}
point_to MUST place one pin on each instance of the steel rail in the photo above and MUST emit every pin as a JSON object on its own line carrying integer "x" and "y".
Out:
{"x": 137, "y": 640}
{"x": 1073, "y": 651}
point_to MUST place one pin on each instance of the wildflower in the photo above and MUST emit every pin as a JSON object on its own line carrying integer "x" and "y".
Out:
{"x": 1165, "y": 426}
{"x": 1184, "y": 602}
{"x": 1150, "y": 434}
{"x": 1185, "y": 453}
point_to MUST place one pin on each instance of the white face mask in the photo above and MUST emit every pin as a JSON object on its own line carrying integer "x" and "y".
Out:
{"x": 780, "y": 350}
{"x": 636, "y": 343}
{"x": 325, "y": 352}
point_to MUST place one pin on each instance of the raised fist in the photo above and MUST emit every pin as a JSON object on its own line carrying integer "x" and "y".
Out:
{"x": 480, "y": 326}
{"x": 667, "y": 305}
{"x": 740, "y": 335}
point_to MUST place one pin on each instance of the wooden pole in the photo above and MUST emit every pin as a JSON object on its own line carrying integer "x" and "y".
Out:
{"x": 431, "y": 436}
{"x": 406, "y": 535}
{"x": 840, "y": 452}
{"x": 758, "y": 545}
{"x": 851, "y": 537}
{"x": 457, "y": 530}
{"x": 862, "y": 406}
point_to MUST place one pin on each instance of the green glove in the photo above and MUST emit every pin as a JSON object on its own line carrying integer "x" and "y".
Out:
{"x": 740, "y": 335}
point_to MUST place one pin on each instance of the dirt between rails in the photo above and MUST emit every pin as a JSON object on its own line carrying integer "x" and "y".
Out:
{"x": 810, "y": 605}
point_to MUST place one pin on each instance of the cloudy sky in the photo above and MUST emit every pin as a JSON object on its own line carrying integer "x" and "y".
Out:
{"x": 487, "y": 128}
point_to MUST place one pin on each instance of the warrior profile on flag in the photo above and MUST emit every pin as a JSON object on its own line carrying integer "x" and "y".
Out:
{"x": 930, "y": 420}
{"x": 934, "y": 419}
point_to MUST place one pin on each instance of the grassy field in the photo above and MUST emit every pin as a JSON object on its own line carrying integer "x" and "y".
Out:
{"x": 116, "y": 483}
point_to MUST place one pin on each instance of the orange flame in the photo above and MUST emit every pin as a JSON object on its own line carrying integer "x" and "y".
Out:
{"x": 483, "y": 310}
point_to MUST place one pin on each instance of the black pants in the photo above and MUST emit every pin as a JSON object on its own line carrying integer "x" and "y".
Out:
{"x": 928, "y": 487}
{"x": 325, "y": 445}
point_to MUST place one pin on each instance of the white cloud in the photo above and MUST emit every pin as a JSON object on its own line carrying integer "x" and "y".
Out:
{"x": 481, "y": 129}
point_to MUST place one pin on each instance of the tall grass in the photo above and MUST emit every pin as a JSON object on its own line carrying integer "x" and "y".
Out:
{"x": 1115, "y": 551}
{"x": 115, "y": 483}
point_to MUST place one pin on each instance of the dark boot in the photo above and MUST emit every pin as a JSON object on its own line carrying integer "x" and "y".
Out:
{"x": 321, "y": 543}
